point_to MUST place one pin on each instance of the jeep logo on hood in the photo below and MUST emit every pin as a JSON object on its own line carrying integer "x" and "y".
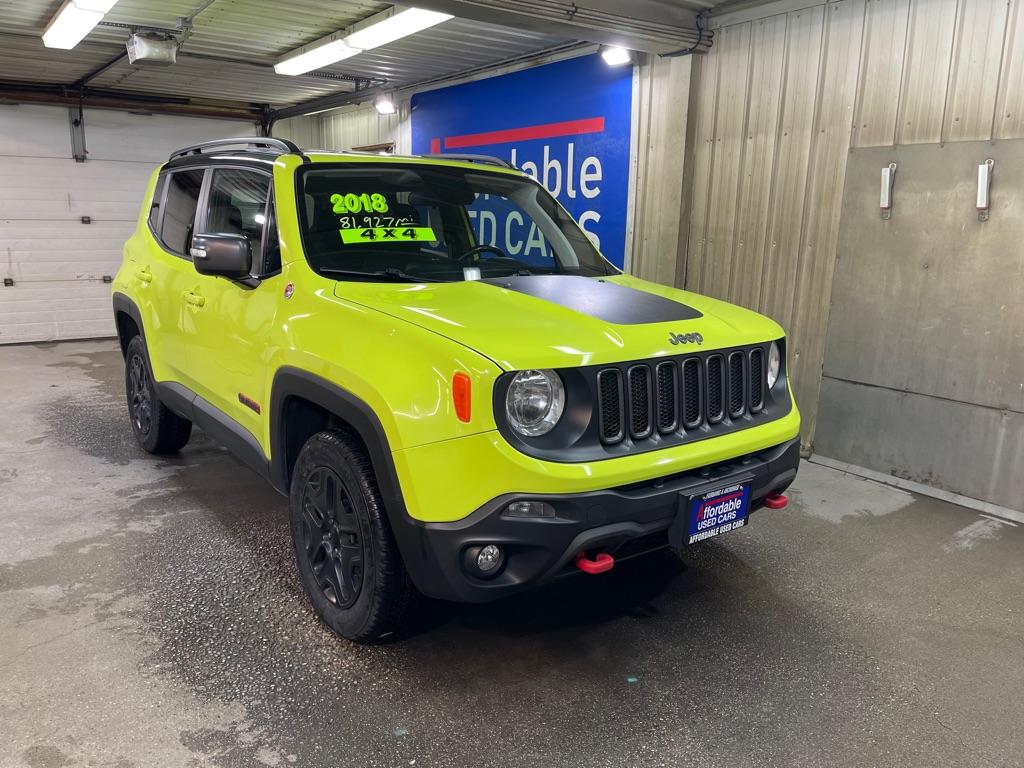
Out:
{"x": 685, "y": 338}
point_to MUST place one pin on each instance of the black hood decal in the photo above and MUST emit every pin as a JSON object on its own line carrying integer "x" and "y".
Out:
{"x": 604, "y": 300}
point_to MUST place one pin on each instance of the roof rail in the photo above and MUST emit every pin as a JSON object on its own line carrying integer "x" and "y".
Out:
{"x": 251, "y": 143}
{"x": 482, "y": 159}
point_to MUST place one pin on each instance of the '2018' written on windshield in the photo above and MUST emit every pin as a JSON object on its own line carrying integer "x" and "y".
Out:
{"x": 363, "y": 203}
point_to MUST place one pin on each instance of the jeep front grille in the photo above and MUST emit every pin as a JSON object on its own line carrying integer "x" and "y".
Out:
{"x": 667, "y": 376}
{"x": 648, "y": 399}
{"x": 756, "y": 380}
{"x": 737, "y": 385}
{"x": 693, "y": 400}
{"x": 639, "y": 404}
{"x": 716, "y": 384}
{"x": 609, "y": 413}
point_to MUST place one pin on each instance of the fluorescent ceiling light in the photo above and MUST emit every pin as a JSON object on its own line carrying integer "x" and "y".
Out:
{"x": 375, "y": 34}
{"x": 615, "y": 57}
{"x": 393, "y": 28}
{"x": 315, "y": 58}
{"x": 385, "y": 105}
{"x": 73, "y": 21}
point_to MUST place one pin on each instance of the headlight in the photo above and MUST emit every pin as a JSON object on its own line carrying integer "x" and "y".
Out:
{"x": 774, "y": 362}
{"x": 534, "y": 402}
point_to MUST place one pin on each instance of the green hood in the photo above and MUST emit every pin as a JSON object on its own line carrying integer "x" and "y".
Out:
{"x": 558, "y": 321}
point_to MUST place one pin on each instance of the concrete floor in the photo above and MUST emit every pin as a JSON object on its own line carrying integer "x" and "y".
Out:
{"x": 151, "y": 616}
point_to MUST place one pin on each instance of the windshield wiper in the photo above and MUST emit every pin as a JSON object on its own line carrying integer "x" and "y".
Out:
{"x": 391, "y": 273}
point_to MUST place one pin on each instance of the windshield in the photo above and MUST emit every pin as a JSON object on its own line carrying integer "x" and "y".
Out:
{"x": 431, "y": 223}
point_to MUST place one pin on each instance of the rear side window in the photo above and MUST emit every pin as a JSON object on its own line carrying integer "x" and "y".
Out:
{"x": 180, "y": 206}
{"x": 154, "y": 206}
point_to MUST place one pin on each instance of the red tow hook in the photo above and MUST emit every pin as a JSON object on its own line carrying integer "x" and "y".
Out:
{"x": 603, "y": 562}
{"x": 775, "y": 501}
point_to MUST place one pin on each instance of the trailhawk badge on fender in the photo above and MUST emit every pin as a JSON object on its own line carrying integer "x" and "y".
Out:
{"x": 685, "y": 338}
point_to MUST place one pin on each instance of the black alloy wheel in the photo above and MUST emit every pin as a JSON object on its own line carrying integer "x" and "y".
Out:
{"x": 140, "y": 400}
{"x": 332, "y": 537}
{"x": 348, "y": 561}
{"x": 157, "y": 429}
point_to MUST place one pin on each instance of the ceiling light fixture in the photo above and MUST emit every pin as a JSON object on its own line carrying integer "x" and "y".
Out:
{"x": 380, "y": 29}
{"x": 385, "y": 105}
{"x": 615, "y": 57}
{"x": 73, "y": 21}
{"x": 315, "y": 58}
{"x": 401, "y": 24}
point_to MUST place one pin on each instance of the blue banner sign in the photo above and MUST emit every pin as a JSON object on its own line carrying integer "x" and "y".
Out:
{"x": 566, "y": 124}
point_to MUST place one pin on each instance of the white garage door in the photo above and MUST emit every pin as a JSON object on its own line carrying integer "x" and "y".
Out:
{"x": 57, "y": 263}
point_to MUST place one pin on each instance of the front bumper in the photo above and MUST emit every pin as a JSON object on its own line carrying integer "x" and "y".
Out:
{"x": 626, "y": 521}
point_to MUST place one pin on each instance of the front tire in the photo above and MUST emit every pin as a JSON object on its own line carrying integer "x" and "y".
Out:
{"x": 157, "y": 429}
{"x": 347, "y": 557}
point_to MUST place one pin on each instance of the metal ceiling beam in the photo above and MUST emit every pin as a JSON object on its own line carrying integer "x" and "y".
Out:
{"x": 36, "y": 93}
{"x": 651, "y": 26}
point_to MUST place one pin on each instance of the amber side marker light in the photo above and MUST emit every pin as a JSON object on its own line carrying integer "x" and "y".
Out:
{"x": 461, "y": 387}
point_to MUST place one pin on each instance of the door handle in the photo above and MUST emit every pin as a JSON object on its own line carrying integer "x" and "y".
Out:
{"x": 144, "y": 275}
{"x": 194, "y": 299}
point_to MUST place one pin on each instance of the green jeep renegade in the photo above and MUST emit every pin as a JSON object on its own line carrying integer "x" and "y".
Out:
{"x": 450, "y": 412}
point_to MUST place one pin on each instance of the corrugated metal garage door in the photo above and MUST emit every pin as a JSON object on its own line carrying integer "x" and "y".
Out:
{"x": 57, "y": 262}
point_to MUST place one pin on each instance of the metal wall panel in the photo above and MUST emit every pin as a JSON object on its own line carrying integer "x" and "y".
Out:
{"x": 804, "y": 30}
{"x": 974, "y": 83}
{"x": 662, "y": 106}
{"x": 958, "y": 447}
{"x": 1009, "y": 123}
{"x": 363, "y": 126}
{"x": 304, "y": 131}
{"x": 760, "y": 143}
{"x": 878, "y": 99}
{"x": 350, "y": 127}
{"x": 930, "y": 300}
{"x": 705, "y": 107}
{"x": 734, "y": 51}
{"x": 926, "y": 70}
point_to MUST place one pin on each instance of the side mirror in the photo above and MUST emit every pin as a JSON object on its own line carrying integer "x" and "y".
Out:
{"x": 223, "y": 255}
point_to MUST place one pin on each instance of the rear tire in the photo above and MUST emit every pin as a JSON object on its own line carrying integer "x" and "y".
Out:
{"x": 348, "y": 561}
{"x": 157, "y": 429}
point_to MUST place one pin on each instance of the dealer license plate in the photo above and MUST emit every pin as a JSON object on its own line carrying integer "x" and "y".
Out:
{"x": 718, "y": 511}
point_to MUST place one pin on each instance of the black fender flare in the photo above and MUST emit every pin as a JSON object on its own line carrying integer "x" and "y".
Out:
{"x": 295, "y": 382}
{"x": 359, "y": 416}
{"x": 123, "y": 303}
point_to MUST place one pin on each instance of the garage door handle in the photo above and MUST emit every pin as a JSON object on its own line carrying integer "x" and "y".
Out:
{"x": 194, "y": 299}
{"x": 144, "y": 275}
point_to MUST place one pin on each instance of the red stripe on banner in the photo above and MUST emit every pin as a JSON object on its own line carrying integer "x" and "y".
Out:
{"x": 435, "y": 146}
{"x": 546, "y": 131}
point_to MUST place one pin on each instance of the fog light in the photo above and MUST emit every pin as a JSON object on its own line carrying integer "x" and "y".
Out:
{"x": 529, "y": 509}
{"x": 488, "y": 558}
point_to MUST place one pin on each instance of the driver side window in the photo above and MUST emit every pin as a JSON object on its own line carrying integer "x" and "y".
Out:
{"x": 237, "y": 205}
